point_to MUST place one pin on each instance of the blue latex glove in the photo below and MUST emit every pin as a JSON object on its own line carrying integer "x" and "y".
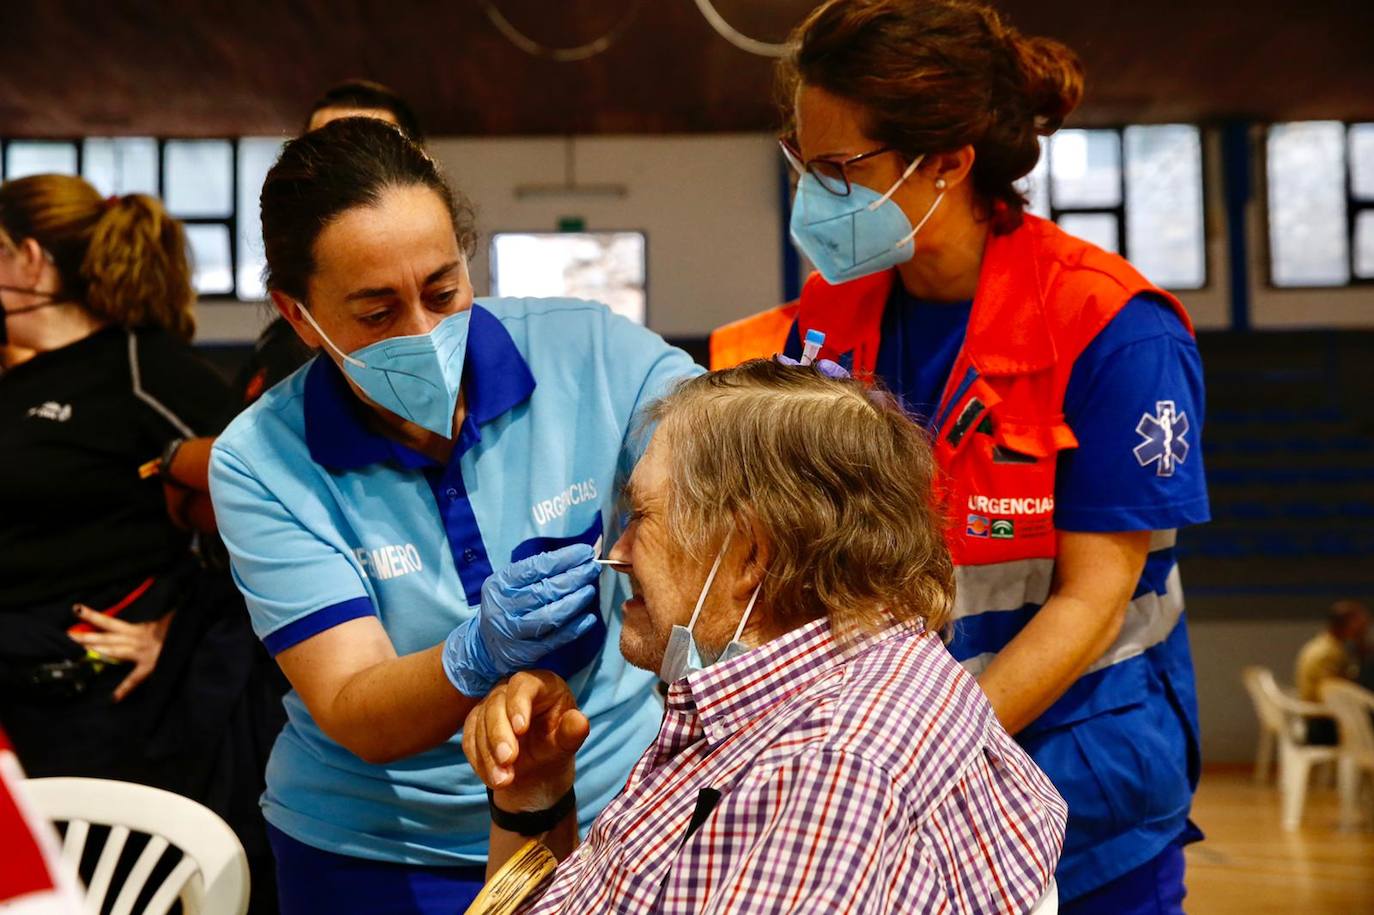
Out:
{"x": 528, "y": 609}
{"x": 826, "y": 367}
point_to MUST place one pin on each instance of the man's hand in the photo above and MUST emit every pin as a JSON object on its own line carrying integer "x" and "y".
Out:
{"x": 522, "y": 738}
{"x": 139, "y": 644}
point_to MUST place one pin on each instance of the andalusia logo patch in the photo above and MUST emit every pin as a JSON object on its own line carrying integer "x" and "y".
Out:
{"x": 1003, "y": 529}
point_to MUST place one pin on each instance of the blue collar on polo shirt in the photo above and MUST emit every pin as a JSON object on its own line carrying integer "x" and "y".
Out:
{"x": 496, "y": 379}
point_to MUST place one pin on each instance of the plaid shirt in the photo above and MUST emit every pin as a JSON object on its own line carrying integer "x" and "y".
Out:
{"x": 871, "y": 781}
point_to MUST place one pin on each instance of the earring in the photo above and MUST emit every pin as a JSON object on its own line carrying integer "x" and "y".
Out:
{"x": 939, "y": 184}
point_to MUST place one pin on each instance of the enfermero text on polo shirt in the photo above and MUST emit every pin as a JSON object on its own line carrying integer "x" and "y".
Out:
{"x": 389, "y": 561}
{"x": 550, "y": 509}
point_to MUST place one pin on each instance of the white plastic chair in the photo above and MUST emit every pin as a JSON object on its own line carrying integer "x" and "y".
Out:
{"x": 210, "y": 879}
{"x": 1268, "y": 736}
{"x": 1049, "y": 903}
{"x": 1287, "y": 718}
{"x": 1353, "y": 705}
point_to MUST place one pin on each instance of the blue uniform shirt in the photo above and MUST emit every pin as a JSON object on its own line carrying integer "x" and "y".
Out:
{"x": 327, "y": 521}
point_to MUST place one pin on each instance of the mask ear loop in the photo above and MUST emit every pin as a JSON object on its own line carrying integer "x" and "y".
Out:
{"x": 356, "y": 363}
{"x": 900, "y": 181}
{"x": 706, "y": 588}
{"x": 926, "y": 218}
{"x": 739, "y": 630}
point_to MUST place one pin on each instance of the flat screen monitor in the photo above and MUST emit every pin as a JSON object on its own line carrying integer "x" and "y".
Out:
{"x": 606, "y": 267}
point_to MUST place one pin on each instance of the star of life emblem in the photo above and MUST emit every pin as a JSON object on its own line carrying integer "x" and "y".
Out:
{"x": 1164, "y": 444}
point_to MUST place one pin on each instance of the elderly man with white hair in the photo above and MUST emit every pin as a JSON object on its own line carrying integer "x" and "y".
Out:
{"x": 820, "y": 750}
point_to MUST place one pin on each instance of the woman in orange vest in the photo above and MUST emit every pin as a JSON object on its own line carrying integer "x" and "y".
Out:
{"x": 1063, "y": 391}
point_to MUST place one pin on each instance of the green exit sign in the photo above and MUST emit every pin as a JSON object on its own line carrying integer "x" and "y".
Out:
{"x": 572, "y": 224}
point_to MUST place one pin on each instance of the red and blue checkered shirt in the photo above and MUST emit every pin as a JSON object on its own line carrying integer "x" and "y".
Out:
{"x": 871, "y": 780}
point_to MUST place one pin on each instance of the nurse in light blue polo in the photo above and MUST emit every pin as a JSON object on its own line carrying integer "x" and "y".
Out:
{"x": 413, "y": 515}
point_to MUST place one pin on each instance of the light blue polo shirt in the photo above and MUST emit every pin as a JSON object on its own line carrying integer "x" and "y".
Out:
{"x": 327, "y": 521}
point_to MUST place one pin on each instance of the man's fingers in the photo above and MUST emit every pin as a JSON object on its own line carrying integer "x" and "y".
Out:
{"x": 503, "y": 744}
{"x": 573, "y": 728}
{"x": 489, "y": 768}
{"x": 533, "y": 692}
{"x": 524, "y": 688}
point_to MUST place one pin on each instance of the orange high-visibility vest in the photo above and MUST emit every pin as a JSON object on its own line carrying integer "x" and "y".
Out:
{"x": 755, "y": 337}
{"x": 1042, "y": 297}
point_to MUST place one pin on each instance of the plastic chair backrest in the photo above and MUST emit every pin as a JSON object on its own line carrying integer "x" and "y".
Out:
{"x": 210, "y": 879}
{"x": 1352, "y": 705}
{"x": 1049, "y": 903}
{"x": 1264, "y": 690}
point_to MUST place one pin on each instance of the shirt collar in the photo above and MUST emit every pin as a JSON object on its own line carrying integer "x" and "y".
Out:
{"x": 729, "y": 694}
{"x": 496, "y": 379}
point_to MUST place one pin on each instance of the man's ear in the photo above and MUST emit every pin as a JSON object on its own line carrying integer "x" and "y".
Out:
{"x": 289, "y": 309}
{"x": 756, "y": 554}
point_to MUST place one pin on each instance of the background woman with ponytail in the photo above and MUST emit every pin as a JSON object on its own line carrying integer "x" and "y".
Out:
{"x": 1062, "y": 391}
{"x": 97, "y": 299}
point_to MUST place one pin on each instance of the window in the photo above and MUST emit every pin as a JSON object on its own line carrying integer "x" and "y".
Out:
{"x": 1321, "y": 203}
{"x": 604, "y": 266}
{"x": 37, "y": 157}
{"x": 210, "y": 185}
{"x": 1135, "y": 191}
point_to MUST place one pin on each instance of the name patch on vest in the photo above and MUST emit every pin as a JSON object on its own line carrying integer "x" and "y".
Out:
{"x": 1010, "y": 506}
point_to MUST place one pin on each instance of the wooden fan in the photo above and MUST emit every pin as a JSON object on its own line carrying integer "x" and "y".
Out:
{"x": 523, "y": 874}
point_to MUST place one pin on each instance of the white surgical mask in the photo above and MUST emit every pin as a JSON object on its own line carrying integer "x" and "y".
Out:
{"x": 683, "y": 656}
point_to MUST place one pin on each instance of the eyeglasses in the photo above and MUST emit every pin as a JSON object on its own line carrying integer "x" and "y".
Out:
{"x": 832, "y": 174}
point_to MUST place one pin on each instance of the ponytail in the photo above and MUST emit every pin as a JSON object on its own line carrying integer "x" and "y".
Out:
{"x": 124, "y": 259}
{"x": 135, "y": 270}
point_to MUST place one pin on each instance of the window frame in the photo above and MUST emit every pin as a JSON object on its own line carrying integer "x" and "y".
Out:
{"x": 230, "y": 222}
{"x": 6, "y": 142}
{"x": 1354, "y": 206}
{"x": 1119, "y": 211}
{"x": 490, "y": 255}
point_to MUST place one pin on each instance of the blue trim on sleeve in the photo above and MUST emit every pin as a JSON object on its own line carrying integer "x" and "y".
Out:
{"x": 294, "y": 633}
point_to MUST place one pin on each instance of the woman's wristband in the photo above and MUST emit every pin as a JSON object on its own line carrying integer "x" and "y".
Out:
{"x": 534, "y": 822}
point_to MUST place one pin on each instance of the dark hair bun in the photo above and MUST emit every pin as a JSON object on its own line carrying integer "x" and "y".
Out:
{"x": 1054, "y": 80}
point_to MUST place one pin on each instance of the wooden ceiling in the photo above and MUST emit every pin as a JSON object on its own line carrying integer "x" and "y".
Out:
{"x": 80, "y": 67}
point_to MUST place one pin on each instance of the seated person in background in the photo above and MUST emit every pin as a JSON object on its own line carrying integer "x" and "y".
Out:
{"x": 821, "y": 751}
{"x": 120, "y": 655}
{"x": 97, "y": 302}
{"x": 1337, "y": 651}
